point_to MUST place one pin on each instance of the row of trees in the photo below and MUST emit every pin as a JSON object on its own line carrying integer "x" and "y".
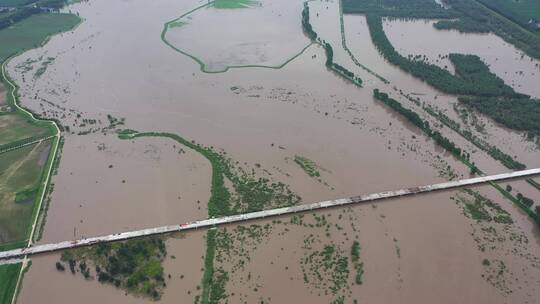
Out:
{"x": 398, "y": 8}
{"x": 516, "y": 113}
{"x": 415, "y": 119}
{"x": 308, "y": 29}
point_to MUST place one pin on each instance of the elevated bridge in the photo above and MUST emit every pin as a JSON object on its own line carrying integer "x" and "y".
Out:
{"x": 213, "y": 222}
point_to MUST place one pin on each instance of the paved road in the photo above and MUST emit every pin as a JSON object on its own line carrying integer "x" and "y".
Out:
{"x": 17, "y": 253}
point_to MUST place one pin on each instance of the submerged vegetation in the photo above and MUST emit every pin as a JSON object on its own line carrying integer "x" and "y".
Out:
{"x": 309, "y": 166}
{"x": 340, "y": 70}
{"x": 521, "y": 114}
{"x": 481, "y": 208}
{"x": 445, "y": 143}
{"x": 133, "y": 265}
{"x": 505, "y": 159}
{"x": 415, "y": 119}
{"x": 357, "y": 264}
{"x": 326, "y": 268}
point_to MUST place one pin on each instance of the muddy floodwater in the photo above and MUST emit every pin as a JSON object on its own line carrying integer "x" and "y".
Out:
{"x": 222, "y": 38}
{"x": 517, "y": 69}
{"x": 118, "y": 73}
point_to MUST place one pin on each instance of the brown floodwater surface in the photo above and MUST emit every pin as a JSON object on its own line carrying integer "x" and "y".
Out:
{"x": 258, "y": 35}
{"x": 420, "y": 37}
{"x": 120, "y": 67}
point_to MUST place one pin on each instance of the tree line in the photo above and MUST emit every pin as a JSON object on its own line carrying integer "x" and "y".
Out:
{"x": 416, "y": 120}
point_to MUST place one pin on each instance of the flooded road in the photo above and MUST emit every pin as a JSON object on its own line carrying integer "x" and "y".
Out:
{"x": 112, "y": 69}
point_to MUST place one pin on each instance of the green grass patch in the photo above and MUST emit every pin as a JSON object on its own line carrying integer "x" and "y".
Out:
{"x": 177, "y": 23}
{"x": 232, "y": 4}
{"x": 8, "y": 281}
{"x": 14, "y": 127}
{"x": 20, "y": 178}
{"x": 309, "y": 166}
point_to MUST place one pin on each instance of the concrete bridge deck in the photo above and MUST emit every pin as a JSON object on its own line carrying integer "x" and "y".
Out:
{"x": 18, "y": 253}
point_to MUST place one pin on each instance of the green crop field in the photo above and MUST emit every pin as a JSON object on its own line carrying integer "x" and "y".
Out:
{"x": 14, "y": 127}
{"x": 33, "y": 31}
{"x": 15, "y": 3}
{"x": 233, "y": 3}
{"x": 20, "y": 175}
{"x": 8, "y": 280}
{"x": 520, "y": 11}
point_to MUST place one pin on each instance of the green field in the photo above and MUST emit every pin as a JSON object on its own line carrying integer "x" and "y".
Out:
{"x": 14, "y": 3}
{"x": 20, "y": 175}
{"x": 33, "y": 31}
{"x": 520, "y": 11}
{"x": 8, "y": 280}
{"x": 14, "y": 127}
{"x": 233, "y": 3}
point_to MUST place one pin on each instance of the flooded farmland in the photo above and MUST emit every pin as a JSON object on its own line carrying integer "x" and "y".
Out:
{"x": 115, "y": 73}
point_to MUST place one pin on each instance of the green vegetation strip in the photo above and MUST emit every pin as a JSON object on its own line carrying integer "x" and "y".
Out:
{"x": 340, "y": 70}
{"x": 309, "y": 166}
{"x": 232, "y": 4}
{"x": 175, "y": 22}
{"x": 505, "y": 159}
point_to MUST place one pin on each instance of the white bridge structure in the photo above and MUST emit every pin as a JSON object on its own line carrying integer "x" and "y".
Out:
{"x": 213, "y": 222}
